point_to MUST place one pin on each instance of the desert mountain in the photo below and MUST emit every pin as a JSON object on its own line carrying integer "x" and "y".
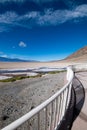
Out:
{"x": 78, "y": 56}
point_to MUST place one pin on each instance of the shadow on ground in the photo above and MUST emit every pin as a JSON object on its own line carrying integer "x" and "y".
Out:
{"x": 75, "y": 106}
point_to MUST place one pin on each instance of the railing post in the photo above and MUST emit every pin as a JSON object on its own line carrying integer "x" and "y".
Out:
{"x": 69, "y": 73}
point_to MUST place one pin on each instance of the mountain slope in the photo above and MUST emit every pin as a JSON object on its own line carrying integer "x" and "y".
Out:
{"x": 80, "y": 53}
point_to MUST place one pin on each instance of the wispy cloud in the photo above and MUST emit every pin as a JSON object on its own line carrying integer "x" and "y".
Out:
{"x": 4, "y": 55}
{"x": 60, "y": 16}
{"x": 8, "y": 17}
{"x": 52, "y": 17}
{"x": 22, "y": 44}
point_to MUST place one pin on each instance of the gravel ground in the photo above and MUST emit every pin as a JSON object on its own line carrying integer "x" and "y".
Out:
{"x": 19, "y": 97}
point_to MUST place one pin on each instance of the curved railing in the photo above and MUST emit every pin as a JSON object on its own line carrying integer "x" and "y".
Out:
{"x": 49, "y": 114}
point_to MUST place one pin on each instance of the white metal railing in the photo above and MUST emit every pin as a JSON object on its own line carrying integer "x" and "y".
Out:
{"x": 49, "y": 114}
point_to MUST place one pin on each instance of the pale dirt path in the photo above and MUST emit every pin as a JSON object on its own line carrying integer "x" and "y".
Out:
{"x": 81, "y": 121}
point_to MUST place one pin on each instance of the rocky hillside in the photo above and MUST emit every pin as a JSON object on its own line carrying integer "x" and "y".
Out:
{"x": 80, "y": 55}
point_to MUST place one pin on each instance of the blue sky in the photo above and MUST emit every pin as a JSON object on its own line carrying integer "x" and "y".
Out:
{"x": 42, "y": 29}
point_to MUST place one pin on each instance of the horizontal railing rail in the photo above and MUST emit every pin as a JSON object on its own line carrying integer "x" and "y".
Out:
{"x": 49, "y": 114}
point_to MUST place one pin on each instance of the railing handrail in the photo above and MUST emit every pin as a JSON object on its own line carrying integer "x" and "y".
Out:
{"x": 33, "y": 112}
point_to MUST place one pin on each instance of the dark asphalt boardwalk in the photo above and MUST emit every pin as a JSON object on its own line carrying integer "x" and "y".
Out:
{"x": 80, "y": 123}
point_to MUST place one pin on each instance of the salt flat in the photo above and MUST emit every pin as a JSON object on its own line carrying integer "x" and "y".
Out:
{"x": 30, "y": 65}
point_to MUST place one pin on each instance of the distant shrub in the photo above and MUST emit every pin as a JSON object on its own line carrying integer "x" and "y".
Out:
{"x": 36, "y": 76}
{"x": 55, "y": 72}
{"x": 8, "y": 80}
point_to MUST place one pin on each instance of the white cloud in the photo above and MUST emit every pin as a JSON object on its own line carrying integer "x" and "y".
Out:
{"x": 60, "y": 16}
{"x": 4, "y": 55}
{"x": 22, "y": 44}
{"x": 52, "y": 17}
{"x": 9, "y": 20}
{"x": 8, "y": 17}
